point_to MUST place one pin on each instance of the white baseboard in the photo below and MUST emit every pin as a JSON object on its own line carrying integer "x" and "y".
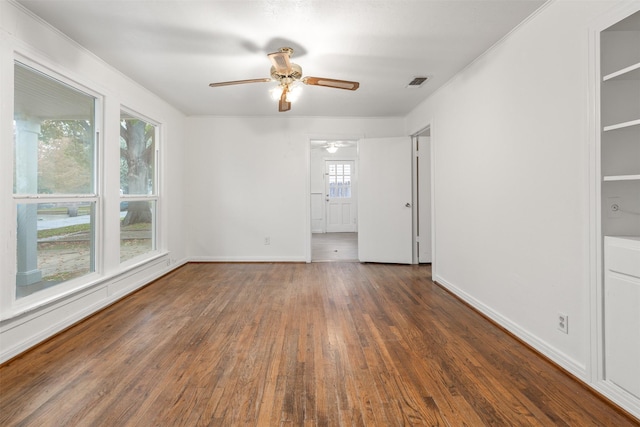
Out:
{"x": 619, "y": 396}
{"x": 571, "y": 365}
{"x": 615, "y": 394}
{"x": 249, "y": 259}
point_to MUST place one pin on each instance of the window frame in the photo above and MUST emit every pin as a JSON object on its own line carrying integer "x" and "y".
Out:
{"x": 153, "y": 197}
{"x": 340, "y": 168}
{"x": 17, "y": 305}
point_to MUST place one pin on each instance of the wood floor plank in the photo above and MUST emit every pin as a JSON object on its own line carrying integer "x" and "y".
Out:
{"x": 323, "y": 344}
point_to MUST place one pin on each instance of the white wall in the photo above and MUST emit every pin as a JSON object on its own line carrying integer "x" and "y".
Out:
{"x": 249, "y": 179}
{"x": 24, "y": 325}
{"x": 511, "y": 146}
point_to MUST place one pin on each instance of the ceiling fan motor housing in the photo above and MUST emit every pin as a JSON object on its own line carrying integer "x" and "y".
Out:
{"x": 295, "y": 73}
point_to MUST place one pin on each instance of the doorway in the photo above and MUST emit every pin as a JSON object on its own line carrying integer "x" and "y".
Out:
{"x": 334, "y": 193}
{"x": 394, "y": 218}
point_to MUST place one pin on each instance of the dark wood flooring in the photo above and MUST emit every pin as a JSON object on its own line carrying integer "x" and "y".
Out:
{"x": 327, "y": 344}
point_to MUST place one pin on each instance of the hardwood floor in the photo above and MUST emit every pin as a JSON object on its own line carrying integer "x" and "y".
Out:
{"x": 325, "y": 344}
{"x": 334, "y": 247}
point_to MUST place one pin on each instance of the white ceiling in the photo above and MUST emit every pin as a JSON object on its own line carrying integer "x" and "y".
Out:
{"x": 175, "y": 48}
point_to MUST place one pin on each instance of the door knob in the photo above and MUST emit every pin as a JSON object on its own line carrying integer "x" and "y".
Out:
{"x": 408, "y": 205}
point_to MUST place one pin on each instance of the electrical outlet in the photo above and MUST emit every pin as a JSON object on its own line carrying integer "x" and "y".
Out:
{"x": 563, "y": 323}
{"x": 267, "y": 240}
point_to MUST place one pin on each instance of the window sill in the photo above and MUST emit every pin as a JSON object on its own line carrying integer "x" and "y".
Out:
{"x": 39, "y": 302}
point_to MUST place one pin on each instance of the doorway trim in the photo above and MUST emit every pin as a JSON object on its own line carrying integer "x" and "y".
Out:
{"x": 427, "y": 130}
{"x": 307, "y": 210}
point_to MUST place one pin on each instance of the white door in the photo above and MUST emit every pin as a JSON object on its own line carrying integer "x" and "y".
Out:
{"x": 384, "y": 200}
{"x": 340, "y": 196}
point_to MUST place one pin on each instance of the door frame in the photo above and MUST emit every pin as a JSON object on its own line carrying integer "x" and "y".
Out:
{"x": 326, "y": 137}
{"x": 428, "y": 126}
{"x": 425, "y": 131}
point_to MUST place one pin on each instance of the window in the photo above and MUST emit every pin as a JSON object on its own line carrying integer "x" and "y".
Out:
{"x": 138, "y": 202}
{"x": 54, "y": 187}
{"x": 339, "y": 180}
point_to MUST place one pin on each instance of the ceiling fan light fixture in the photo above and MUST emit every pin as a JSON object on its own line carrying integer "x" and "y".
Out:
{"x": 332, "y": 148}
{"x": 294, "y": 92}
{"x": 276, "y": 92}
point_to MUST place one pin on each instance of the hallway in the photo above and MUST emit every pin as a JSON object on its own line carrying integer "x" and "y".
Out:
{"x": 326, "y": 247}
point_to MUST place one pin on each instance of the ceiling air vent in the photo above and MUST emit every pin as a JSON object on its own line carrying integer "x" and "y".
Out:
{"x": 417, "y": 82}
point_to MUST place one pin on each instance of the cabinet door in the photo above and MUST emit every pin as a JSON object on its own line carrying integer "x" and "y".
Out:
{"x": 622, "y": 331}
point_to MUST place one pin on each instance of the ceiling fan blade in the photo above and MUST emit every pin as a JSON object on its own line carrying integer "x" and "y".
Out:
{"x": 281, "y": 62}
{"x": 284, "y": 105}
{"x": 338, "y": 84}
{"x": 239, "y": 82}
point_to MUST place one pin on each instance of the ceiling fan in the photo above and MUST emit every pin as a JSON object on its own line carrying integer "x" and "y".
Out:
{"x": 332, "y": 146}
{"x": 288, "y": 75}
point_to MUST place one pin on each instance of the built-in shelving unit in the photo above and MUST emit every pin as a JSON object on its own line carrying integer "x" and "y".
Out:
{"x": 620, "y": 202}
{"x": 621, "y": 178}
{"x": 631, "y": 72}
{"x": 620, "y": 127}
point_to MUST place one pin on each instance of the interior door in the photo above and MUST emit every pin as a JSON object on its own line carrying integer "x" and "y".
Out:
{"x": 339, "y": 196}
{"x": 384, "y": 200}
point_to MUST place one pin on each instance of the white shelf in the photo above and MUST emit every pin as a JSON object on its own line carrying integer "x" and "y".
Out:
{"x": 623, "y": 239}
{"x": 621, "y": 178}
{"x": 631, "y": 72}
{"x": 622, "y": 125}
